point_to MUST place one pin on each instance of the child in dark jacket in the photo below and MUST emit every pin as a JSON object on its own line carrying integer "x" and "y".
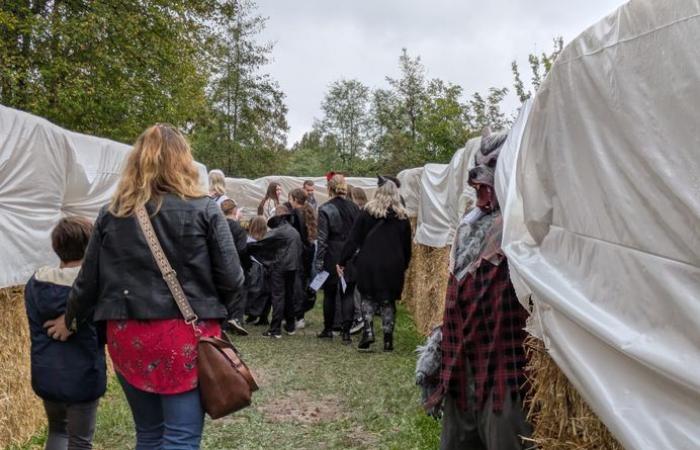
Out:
{"x": 240, "y": 239}
{"x": 69, "y": 376}
{"x": 259, "y": 301}
{"x": 281, "y": 251}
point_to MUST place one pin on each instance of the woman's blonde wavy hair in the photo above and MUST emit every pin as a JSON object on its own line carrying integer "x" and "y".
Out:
{"x": 160, "y": 163}
{"x": 217, "y": 182}
{"x": 387, "y": 197}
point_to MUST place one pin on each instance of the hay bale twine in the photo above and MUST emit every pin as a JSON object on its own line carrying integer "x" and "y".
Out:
{"x": 561, "y": 418}
{"x": 21, "y": 412}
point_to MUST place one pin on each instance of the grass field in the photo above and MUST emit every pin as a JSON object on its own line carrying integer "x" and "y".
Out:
{"x": 314, "y": 394}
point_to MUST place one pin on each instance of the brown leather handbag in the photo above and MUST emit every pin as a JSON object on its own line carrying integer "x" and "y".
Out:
{"x": 226, "y": 385}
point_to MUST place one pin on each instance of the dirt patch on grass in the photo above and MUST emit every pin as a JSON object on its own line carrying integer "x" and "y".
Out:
{"x": 302, "y": 407}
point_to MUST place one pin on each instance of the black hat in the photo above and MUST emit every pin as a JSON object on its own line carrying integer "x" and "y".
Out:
{"x": 382, "y": 179}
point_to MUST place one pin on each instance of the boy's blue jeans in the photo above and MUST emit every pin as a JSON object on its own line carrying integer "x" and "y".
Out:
{"x": 165, "y": 422}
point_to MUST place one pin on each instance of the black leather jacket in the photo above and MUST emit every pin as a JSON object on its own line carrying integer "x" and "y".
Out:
{"x": 335, "y": 220}
{"x": 119, "y": 278}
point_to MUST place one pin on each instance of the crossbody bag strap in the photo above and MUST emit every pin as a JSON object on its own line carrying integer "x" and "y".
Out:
{"x": 169, "y": 274}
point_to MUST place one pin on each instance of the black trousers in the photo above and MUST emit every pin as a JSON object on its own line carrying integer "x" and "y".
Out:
{"x": 282, "y": 287}
{"x": 71, "y": 425}
{"x": 332, "y": 291}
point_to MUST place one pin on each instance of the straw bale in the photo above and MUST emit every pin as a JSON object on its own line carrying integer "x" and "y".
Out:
{"x": 21, "y": 413}
{"x": 426, "y": 284}
{"x": 561, "y": 418}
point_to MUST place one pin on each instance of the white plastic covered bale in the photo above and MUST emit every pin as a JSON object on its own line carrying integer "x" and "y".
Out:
{"x": 609, "y": 177}
{"x": 47, "y": 172}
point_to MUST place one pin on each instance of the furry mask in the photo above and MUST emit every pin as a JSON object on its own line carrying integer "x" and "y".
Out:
{"x": 428, "y": 368}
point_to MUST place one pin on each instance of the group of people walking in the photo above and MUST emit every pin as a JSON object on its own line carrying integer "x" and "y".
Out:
{"x": 108, "y": 289}
{"x": 361, "y": 248}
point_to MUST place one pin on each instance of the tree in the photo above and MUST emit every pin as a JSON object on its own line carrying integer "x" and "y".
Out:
{"x": 410, "y": 91}
{"x": 246, "y": 134}
{"x": 108, "y": 68}
{"x": 346, "y": 118}
{"x": 486, "y": 112}
{"x": 313, "y": 155}
{"x": 444, "y": 123}
{"x": 539, "y": 67}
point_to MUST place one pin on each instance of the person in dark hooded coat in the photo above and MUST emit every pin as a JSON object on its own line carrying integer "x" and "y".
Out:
{"x": 281, "y": 251}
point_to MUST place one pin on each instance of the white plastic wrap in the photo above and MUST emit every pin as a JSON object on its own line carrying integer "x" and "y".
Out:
{"x": 444, "y": 195}
{"x": 609, "y": 177}
{"x": 249, "y": 193}
{"x": 47, "y": 172}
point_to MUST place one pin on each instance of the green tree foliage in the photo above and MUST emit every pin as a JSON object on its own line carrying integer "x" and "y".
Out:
{"x": 486, "y": 112}
{"x": 108, "y": 68}
{"x": 412, "y": 121}
{"x": 313, "y": 155}
{"x": 539, "y": 68}
{"x": 246, "y": 132}
{"x": 346, "y": 121}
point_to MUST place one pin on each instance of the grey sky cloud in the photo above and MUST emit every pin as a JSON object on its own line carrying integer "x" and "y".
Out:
{"x": 465, "y": 42}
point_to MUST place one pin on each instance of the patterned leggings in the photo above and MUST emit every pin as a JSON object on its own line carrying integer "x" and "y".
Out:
{"x": 388, "y": 310}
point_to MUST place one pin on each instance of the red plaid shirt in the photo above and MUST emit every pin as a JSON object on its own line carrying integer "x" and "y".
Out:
{"x": 483, "y": 334}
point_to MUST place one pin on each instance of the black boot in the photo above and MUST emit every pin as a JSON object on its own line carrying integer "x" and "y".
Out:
{"x": 325, "y": 334}
{"x": 388, "y": 342}
{"x": 367, "y": 336}
{"x": 346, "y": 338}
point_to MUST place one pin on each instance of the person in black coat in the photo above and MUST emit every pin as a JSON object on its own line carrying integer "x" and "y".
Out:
{"x": 240, "y": 240}
{"x": 70, "y": 376}
{"x": 382, "y": 234}
{"x": 335, "y": 219}
{"x": 281, "y": 251}
{"x": 304, "y": 221}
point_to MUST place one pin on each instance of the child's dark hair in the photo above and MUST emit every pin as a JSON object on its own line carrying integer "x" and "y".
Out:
{"x": 70, "y": 237}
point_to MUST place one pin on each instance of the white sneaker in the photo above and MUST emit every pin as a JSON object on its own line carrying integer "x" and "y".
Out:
{"x": 357, "y": 326}
{"x": 301, "y": 323}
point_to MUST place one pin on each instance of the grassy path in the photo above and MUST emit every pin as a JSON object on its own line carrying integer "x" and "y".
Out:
{"x": 315, "y": 394}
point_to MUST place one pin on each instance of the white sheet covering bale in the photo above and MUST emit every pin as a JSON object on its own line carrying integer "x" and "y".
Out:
{"x": 47, "y": 172}
{"x": 609, "y": 176}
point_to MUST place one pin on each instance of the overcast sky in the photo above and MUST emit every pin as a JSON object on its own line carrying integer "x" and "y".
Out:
{"x": 467, "y": 42}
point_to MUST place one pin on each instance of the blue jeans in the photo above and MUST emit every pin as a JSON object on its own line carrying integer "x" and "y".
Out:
{"x": 165, "y": 422}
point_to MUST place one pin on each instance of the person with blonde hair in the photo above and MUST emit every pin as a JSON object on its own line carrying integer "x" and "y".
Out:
{"x": 217, "y": 185}
{"x": 335, "y": 219}
{"x": 153, "y": 350}
{"x": 381, "y": 237}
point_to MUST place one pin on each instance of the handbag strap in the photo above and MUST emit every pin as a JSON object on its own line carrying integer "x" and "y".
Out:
{"x": 169, "y": 274}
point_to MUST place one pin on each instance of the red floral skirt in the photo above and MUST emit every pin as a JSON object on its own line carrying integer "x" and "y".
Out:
{"x": 158, "y": 356}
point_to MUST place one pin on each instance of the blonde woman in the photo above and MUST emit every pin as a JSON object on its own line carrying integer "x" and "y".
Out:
{"x": 382, "y": 234}
{"x": 153, "y": 350}
{"x": 335, "y": 219}
{"x": 217, "y": 185}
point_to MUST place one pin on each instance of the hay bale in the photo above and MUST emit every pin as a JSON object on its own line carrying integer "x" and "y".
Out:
{"x": 561, "y": 418}
{"x": 426, "y": 284}
{"x": 21, "y": 412}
